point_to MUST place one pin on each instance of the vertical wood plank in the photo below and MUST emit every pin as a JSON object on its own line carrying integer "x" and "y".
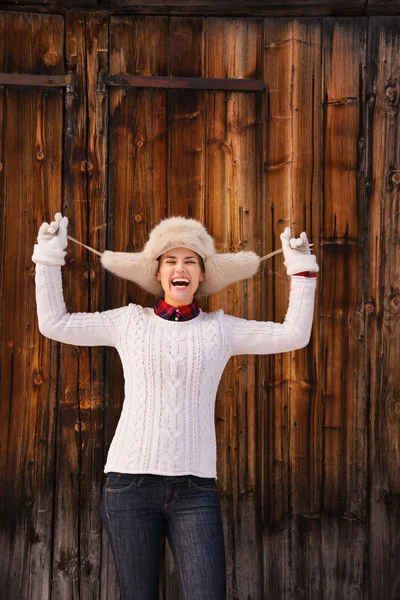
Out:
{"x": 278, "y": 161}
{"x": 382, "y": 342}
{"x": 233, "y": 216}
{"x": 305, "y": 411}
{"x": 137, "y": 142}
{"x": 185, "y": 120}
{"x": 92, "y": 388}
{"x": 5, "y": 392}
{"x": 31, "y": 177}
{"x": 342, "y": 309}
{"x": 74, "y": 376}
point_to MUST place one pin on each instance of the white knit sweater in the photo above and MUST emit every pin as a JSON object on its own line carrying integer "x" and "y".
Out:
{"x": 172, "y": 370}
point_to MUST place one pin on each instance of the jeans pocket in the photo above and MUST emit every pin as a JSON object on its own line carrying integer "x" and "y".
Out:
{"x": 120, "y": 482}
{"x": 204, "y": 484}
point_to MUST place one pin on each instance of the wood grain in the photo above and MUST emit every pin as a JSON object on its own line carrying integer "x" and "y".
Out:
{"x": 31, "y": 177}
{"x": 382, "y": 259}
{"x": 305, "y": 411}
{"x": 249, "y": 8}
{"x": 278, "y": 160}
{"x": 232, "y": 215}
{"x": 342, "y": 314}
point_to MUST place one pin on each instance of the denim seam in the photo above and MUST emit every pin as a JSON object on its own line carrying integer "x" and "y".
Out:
{"x": 204, "y": 489}
{"x": 177, "y": 558}
{"x": 170, "y": 503}
{"x": 120, "y": 491}
{"x": 112, "y": 544}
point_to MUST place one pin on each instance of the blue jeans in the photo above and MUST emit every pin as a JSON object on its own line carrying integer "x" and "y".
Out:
{"x": 136, "y": 509}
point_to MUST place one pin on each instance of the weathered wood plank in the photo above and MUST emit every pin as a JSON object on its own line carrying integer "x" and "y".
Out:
{"x": 305, "y": 413}
{"x": 232, "y": 214}
{"x": 31, "y": 180}
{"x": 73, "y": 378}
{"x": 249, "y": 8}
{"x": 342, "y": 314}
{"x": 32, "y": 176}
{"x": 137, "y": 141}
{"x": 185, "y": 121}
{"x": 4, "y": 388}
{"x": 92, "y": 392}
{"x": 305, "y": 416}
{"x": 382, "y": 258}
{"x": 278, "y": 160}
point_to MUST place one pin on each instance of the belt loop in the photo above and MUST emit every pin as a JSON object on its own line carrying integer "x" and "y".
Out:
{"x": 189, "y": 482}
{"x": 140, "y": 481}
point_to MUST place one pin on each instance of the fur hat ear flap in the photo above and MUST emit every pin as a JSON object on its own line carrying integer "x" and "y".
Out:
{"x": 177, "y": 232}
{"x": 135, "y": 266}
{"x": 222, "y": 270}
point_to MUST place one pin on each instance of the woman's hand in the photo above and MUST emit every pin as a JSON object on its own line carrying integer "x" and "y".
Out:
{"x": 297, "y": 253}
{"x": 52, "y": 241}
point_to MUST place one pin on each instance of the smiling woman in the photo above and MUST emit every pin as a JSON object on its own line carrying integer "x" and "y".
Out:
{"x": 161, "y": 465}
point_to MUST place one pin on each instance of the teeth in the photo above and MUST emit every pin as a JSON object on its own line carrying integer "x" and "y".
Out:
{"x": 180, "y": 282}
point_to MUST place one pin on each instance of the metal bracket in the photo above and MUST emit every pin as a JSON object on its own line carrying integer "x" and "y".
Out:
{"x": 46, "y": 81}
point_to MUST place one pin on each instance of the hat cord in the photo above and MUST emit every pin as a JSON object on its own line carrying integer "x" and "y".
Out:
{"x": 84, "y": 245}
{"x": 266, "y": 257}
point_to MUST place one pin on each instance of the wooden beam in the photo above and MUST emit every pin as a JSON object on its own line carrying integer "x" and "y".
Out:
{"x": 234, "y": 8}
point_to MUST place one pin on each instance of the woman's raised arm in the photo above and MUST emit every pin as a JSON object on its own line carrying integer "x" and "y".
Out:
{"x": 78, "y": 329}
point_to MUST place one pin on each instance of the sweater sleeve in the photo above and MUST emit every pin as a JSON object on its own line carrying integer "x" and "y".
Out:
{"x": 78, "y": 329}
{"x": 266, "y": 337}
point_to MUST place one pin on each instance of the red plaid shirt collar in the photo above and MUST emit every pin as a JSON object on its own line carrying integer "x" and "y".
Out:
{"x": 173, "y": 313}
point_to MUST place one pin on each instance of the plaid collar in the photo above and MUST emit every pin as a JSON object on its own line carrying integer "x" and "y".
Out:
{"x": 172, "y": 313}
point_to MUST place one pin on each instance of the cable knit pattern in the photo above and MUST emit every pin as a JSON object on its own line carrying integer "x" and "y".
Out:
{"x": 172, "y": 370}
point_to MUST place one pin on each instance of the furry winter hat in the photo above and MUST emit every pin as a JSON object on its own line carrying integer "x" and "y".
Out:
{"x": 177, "y": 232}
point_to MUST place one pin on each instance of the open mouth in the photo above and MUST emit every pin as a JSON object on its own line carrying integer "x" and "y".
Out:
{"x": 180, "y": 283}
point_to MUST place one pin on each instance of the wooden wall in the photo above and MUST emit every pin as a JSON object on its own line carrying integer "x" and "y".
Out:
{"x": 308, "y": 442}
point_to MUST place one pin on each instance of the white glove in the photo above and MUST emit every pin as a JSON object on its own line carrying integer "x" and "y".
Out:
{"x": 52, "y": 240}
{"x": 298, "y": 257}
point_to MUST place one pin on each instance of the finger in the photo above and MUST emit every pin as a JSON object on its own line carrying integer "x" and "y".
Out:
{"x": 62, "y": 232}
{"x": 296, "y": 242}
{"x": 43, "y": 229}
{"x": 64, "y": 223}
{"x": 304, "y": 238}
{"x": 285, "y": 237}
{"x": 54, "y": 225}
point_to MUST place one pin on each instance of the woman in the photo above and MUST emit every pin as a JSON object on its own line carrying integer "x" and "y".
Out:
{"x": 161, "y": 465}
